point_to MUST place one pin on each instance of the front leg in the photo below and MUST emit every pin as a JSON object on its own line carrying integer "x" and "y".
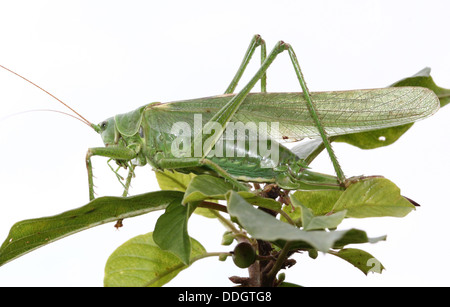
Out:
{"x": 116, "y": 153}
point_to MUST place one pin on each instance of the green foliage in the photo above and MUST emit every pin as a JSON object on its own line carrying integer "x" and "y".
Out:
{"x": 387, "y": 136}
{"x": 424, "y": 79}
{"x": 141, "y": 262}
{"x": 28, "y": 235}
{"x": 274, "y": 229}
{"x": 263, "y": 226}
{"x": 362, "y": 260}
{"x": 171, "y": 231}
{"x": 375, "y": 197}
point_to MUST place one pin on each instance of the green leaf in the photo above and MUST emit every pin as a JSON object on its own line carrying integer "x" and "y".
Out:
{"x": 171, "y": 232}
{"x": 28, "y": 235}
{"x": 205, "y": 212}
{"x": 362, "y": 260}
{"x": 320, "y": 202}
{"x": 140, "y": 262}
{"x": 373, "y": 197}
{"x": 228, "y": 238}
{"x": 384, "y": 137}
{"x": 350, "y": 236}
{"x": 262, "y": 225}
{"x": 424, "y": 79}
{"x": 263, "y": 202}
{"x": 172, "y": 180}
{"x": 206, "y": 187}
{"x": 313, "y": 222}
{"x": 369, "y": 197}
{"x": 375, "y": 138}
{"x": 356, "y": 236}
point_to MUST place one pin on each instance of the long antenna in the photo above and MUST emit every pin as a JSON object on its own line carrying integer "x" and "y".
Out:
{"x": 44, "y": 110}
{"x": 87, "y": 122}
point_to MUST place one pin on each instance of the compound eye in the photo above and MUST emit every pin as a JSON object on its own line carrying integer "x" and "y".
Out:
{"x": 103, "y": 125}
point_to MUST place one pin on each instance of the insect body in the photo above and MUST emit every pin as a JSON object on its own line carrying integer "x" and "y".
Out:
{"x": 147, "y": 134}
{"x": 195, "y": 135}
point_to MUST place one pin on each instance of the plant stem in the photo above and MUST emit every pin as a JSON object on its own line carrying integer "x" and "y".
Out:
{"x": 214, "y": 206}
{"x": 228, "y": 224}
{"x": 280, "y": 260}
{"x": 286, "y": 216}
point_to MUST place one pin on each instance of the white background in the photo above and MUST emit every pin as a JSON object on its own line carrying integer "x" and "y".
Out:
{"x": 109, "y": 57}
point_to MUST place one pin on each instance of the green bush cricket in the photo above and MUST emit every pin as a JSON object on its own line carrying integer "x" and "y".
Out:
{"x": 151, "y": 133}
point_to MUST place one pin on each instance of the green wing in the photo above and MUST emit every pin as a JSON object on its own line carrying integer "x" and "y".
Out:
{"x": 341, "y": 112}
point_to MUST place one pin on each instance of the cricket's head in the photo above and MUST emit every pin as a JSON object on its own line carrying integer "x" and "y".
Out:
{"x": 122, "y": 126}
{"x": 107, "y": 130}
